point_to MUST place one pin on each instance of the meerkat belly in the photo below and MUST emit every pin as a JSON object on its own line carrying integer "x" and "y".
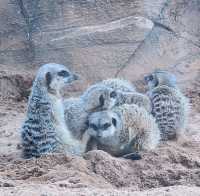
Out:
{"x": 64, "y": 135}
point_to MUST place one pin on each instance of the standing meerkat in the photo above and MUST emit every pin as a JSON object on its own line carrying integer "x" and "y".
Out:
{"x": 122, "y": 130}
{"x": 44, "y": 129}
{"x": 169, "y": 105}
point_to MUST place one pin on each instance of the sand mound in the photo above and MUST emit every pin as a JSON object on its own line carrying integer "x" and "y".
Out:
{"x": 35, "y": 190}
{"x": 171, "y": 164}
{"x": 194, "y": 93}
{"x": 14, "y": 84}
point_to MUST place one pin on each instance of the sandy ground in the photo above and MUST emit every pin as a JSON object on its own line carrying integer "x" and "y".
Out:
{"x": 172, "y": 169}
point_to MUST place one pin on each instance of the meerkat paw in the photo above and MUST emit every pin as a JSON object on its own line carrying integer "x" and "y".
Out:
{"x": 132, "y": 156}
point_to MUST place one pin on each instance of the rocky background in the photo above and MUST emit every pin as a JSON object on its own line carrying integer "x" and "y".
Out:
{"x": 102, "y": 38}
{"x": 98, "y": 39}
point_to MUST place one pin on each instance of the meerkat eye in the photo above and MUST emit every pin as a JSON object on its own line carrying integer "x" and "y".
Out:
{"x": 148, "y": 78}
{"x": 87, "y": 123}
{"x": 101, "y": 100}
{"x": 63, "y": 73}
{"x": 93, "y": 126}
{"x": 106, "y": 125}
{"x": 113, "y": 94}
{"x": 48, "y": 78}
{"x": 114, "y": 122}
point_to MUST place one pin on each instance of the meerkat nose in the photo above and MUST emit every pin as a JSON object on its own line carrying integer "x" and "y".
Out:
{"x": 75, "y": 77}
{"x": 98, "y": 133}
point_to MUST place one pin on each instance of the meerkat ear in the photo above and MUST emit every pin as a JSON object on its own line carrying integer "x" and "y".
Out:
{"x": 101, "y": 100}
{"x": 48, "y": 78}
{"x": 114, "y": 122}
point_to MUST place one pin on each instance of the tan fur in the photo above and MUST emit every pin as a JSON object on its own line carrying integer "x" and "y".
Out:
{"x": 119, "y": 84}
{"x": 134, "y": 98}
{"x": 132, "y": 123}
{"x": 139, "y": 122}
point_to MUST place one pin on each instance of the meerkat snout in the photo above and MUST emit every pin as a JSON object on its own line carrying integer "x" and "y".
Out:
{"x": 101, "y": 128}
{"x": 58, "y": 79}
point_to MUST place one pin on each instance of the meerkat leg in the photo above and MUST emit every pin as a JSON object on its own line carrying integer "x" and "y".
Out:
{"x": 132, "y": 156}
{"x": 181, "y": 137}
{"x": 131, "y": 150}
{"x": 92, "y": 144}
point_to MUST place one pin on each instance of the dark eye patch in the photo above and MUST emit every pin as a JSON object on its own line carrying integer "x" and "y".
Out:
{"x": 63, "y": 73}
{"x": 101, "y": 101}
{"x": 48, "y": 78}
{"x": 106, "y": 125}
{"x": 114, "y": 122}
{"x": 113, "y": 94}
{"x": 93, "y": 126}
{"x": 148, "y": 78}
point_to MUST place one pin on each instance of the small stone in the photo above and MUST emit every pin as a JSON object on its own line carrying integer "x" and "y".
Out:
{"x": 6, "y": 184}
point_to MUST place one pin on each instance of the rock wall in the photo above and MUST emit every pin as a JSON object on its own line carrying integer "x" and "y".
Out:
{"x": 102, "y": 38}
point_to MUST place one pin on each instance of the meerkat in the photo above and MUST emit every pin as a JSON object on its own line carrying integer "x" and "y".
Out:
{"x": 122, "y": 130}
{"x": 44, "y": 129}
{"x": 119, "y": 84}
{"x": 139, "y": 99}
{"x": 126, "y": 93}
{"x": 76, "y": 110}
{"x": 169, "y": 106}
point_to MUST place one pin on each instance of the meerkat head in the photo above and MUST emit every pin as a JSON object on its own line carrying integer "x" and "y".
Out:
{"x": 99, "y": 97}
{"x": 103, "y": 124}
{"x": 159, "y": 78}
{"x": 55, "y": 76}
